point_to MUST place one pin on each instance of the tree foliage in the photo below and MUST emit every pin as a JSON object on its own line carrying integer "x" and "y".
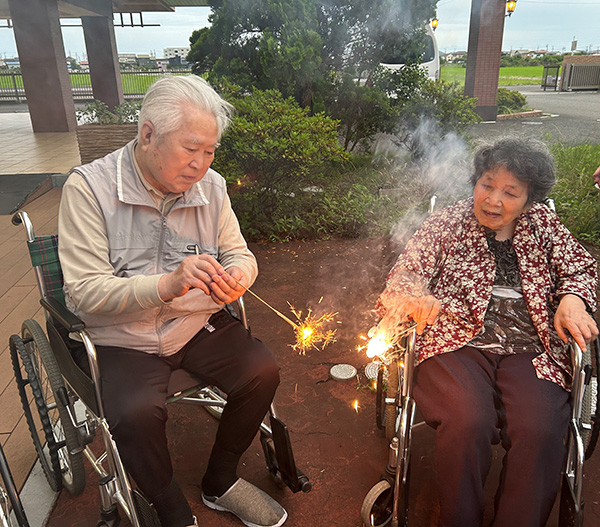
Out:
{"x": 300, "y": 46}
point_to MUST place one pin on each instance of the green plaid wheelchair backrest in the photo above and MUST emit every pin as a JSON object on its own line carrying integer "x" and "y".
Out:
{"x": 43, "y": 252}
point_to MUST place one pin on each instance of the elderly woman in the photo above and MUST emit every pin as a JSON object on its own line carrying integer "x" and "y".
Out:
{"x": 496, "y": 285}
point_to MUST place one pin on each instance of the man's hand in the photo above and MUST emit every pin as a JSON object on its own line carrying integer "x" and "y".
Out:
{"x": 228, "y": 286}
{"x": 196, "y": 271}
{"x": 573, "y": 317}
{"x": 423, "y": 310}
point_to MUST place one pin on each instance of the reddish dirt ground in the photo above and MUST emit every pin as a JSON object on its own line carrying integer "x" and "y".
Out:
{"x": 341, "y": 450}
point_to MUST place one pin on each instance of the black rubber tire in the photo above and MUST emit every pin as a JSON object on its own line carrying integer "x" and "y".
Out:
{"x": 380, "y": 397}
{"x": 592, "y": 400}
{"x": 70, "y": 455}
{"x": 392, "y": 392}
{"x": 25, "y": 376}
{"x": 587, "y": 402}
{"x": 146, "y": 513}
{"x": 377, "y": 507}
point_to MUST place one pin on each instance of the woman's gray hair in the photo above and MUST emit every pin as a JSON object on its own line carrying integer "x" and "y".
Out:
{"x": 529, "y": 160}
{"x": 166, "y": 100}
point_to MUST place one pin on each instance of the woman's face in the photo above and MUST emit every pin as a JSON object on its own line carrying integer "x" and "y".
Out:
{"x": 499, "y": 198}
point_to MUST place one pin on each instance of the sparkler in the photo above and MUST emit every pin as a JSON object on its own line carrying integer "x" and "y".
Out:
{"x": 379, "y": 341}
{"x": 309, "y": 331}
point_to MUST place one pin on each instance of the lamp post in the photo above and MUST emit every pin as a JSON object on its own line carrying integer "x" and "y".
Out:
{"x": 434, "y": 23}
{"x": 510, "y": 7}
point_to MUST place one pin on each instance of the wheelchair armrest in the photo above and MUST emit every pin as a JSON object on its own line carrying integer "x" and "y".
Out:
{"x": 67, "y": 318}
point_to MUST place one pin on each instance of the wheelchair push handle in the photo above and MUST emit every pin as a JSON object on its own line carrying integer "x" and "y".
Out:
{"x": 22, "y": 218}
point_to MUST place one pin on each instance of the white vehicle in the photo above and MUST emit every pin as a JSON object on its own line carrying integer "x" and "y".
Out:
{"x": 430, "y": 61}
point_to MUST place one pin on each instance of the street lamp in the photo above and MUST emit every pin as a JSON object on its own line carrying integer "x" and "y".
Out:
{"x": 434, "y": 23}
{"x": 510, "y": 7}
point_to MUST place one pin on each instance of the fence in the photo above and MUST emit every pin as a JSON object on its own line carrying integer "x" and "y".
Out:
{"x": 581, "y": 77}
{"x": 134, "y": 84}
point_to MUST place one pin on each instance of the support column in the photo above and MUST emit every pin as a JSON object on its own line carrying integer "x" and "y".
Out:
{"x": 43, "y": 65}
{"x": 101, "y": 46}
{"x": 483, "y": 55}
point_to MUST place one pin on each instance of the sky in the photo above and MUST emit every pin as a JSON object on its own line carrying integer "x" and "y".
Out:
{"x": 536, "y": 24}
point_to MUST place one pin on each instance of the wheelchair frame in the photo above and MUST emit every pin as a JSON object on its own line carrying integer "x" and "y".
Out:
{"x": 387, "y": 501}
{"x": 63, "y": 392}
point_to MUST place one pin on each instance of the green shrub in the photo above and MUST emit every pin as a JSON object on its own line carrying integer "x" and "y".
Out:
{"x": 418, "y": 100}
{"x": 510, "y": 101}
{"x": 577, "y": 201}
{"x": 97, "y": 112}
{"x": 278, "y": 160}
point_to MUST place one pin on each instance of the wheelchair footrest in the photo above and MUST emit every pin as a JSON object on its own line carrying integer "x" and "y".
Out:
{"x": 293, "y": 477}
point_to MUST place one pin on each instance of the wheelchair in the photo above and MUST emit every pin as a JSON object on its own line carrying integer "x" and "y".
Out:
{"x": 9, "y": 498}
{"x": 66, "y": 391}
{"x": 387, "y": 501}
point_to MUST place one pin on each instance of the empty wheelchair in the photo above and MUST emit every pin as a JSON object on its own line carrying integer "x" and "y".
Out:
{"x": 387, "y": 503}
{"x": 65, "y": 385}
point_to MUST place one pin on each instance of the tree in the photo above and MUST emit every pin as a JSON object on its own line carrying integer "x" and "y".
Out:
{"x": 300, "y": 47}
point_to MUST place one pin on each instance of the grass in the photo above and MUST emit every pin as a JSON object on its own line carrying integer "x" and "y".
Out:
{"x": 510, "y": 76}
{"x": 133, "y": 83}
{"x": 577, "y": 201}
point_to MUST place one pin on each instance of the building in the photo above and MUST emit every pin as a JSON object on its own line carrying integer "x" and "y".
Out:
{"x": 146, "y": 61}
{"x": 170, "y": 53}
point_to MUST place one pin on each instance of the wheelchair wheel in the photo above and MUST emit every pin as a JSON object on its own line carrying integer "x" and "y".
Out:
{"x": 64, "y": 438}
{"x": 11, "y": 497}
{"x": 25, "y": 376}
{"x": 380, "y": 397}
{"x": 392, "y": 392}
{"x": 378, "y": 505}
{"x": 589, "y": 404}
{"x": 146, "y": 513}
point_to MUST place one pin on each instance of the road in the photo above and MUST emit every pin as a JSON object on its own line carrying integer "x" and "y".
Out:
{"x": 570, "y": 118}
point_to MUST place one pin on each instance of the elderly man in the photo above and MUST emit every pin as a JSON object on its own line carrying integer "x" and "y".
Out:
{"x": 151, "y": 305}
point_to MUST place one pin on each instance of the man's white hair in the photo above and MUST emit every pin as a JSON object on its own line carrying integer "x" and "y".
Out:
{"x": 168, "y": 98}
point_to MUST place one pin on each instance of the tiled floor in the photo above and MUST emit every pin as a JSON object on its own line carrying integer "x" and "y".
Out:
{"x": 23, "y": 152}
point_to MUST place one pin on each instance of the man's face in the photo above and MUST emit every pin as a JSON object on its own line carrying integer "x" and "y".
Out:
{"x": 179, "y": 159}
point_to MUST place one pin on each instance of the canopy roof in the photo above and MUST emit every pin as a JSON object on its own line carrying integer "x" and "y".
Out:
{"x": 79, "y": 8}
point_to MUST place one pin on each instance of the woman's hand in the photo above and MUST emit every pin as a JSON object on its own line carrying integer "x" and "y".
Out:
{"x": 423, "y": 310}
{"x": 572, "y": 317}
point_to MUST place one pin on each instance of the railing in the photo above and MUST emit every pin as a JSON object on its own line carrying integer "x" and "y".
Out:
{"x": 135, "y": 84}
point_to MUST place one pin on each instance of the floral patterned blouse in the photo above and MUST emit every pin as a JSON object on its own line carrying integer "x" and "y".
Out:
{"x": 449, "y": 258}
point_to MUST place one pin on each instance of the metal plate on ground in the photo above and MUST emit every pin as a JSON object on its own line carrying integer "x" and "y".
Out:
{"x": 342, "y": 372}
{"x": 372, "y": 369}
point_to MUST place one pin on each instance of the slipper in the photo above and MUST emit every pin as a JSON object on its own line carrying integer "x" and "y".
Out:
{"x": 251, "y": 505}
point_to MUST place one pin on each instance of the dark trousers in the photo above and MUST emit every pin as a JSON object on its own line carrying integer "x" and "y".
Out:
{"x": 134, "y": 388}
{"x": 475, "y": 399}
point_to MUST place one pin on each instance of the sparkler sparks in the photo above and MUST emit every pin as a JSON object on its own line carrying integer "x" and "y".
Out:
{"x": 310, "y": 331}
{"x": 381, "y": 340}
